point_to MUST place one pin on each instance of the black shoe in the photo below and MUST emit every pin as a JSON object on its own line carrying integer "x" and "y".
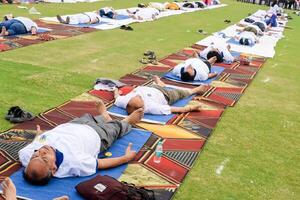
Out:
{"x": 148, "y": 53}
{"x": 129, "y": 28}
{"x": 11, "y": 112}
{"x": 20, "y": 115}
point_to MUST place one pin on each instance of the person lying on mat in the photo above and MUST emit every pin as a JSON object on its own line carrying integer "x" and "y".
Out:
{"x": 10, "y": 191}
{"x": 146, "y": 14}
{"x": 195, "y": 69}
{"x": 196, "y": 4}
{"x": 108, "y": 12}
{"x": 252, "y": 28}
{"x": 156, "y": 99}
{"x": 247, "y": 38}
{"x": 220, "y": 50}
{"x": 81, "y": 18}
{"x": 72, "y": 149}
{"x": 18, "y": 25}
{"x": 175, "y": 5}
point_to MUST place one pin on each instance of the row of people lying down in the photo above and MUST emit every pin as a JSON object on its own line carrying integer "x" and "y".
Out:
{"x": 258, "y": 26}
{"x": 72, "y": 149}
{"x": 145, "y": 12}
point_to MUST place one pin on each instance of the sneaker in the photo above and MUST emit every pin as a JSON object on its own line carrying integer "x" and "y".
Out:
{"x": 11, "y": 112}
{"x": 21, "y": 116}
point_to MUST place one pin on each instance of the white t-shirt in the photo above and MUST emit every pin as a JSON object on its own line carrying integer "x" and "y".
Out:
{"x": 274, "y": 10}
{"x": 201, "y": 68}
{"x": 250, "y": 36}
{"x": 147, "y": 13}
{"x": 222, "y": 48}
{"x": 28, "y": 23}
{"x": 84, "y": 18}
{"x": 154, "y": 100}
{"x": 79, "y": 143}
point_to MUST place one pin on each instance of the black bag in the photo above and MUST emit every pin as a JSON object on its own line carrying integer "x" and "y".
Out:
{"x": 108, "y": 188}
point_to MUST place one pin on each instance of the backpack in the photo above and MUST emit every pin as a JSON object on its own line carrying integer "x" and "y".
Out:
{"x": 108, "y": 188}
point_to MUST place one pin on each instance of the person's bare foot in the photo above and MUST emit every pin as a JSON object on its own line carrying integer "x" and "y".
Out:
{"x": 195, "y": 108}
{"x": 135, "y": 116}
{"x": 9, "y": 189}
{"x": 199, "y": 90}
{"x": 3, "y": 30}
{"x": 158, "y": 81}
{"x": 62, "y": 198}
{"x": 101, "y": 108}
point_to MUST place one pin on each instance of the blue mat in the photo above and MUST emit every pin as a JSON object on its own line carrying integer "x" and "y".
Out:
{"x": 157, "y": 119}
{"x": 66, "y": 186}
{"x": 88, "y": 25}
{"x": 233, "y": 41}
{"x": 172, "y": 77}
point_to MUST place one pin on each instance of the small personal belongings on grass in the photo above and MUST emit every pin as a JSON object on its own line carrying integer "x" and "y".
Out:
{"x": 16, "y": 115}
{"x": 126, "y": 28}
{"x": 107, "y": 84}
{"x": 108, "y": 188}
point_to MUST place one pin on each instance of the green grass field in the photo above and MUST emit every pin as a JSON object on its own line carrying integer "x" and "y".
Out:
{"x": 256, "y": 142}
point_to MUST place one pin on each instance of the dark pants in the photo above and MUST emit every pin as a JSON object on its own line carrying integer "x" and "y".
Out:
{"x": 108, "y": 131}
{"x": 109, "y": 14}
{"x": 172, "y": 95}
{"x": 272, "y": 21}
{"x": 14, "y": 27}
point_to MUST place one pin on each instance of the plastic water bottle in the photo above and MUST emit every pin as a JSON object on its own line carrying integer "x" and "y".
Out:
{"x": 158, "y": 152}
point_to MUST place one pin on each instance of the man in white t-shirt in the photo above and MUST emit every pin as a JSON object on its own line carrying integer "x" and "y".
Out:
{"x": 81, "y": 18}
{"x": 247, "y": 38}
{"x": 72, "y": 149}
{"x": 156, "y": 99}
{"x": 144, "y": 14}
{"x": 18, "y": 25}
{"x": 195, "y": 69}
{"x": 218, "y": 49}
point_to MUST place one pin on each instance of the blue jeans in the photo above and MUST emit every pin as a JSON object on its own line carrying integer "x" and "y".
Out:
{"x": 272, "y": 21}
{"x": 14, "y": 27}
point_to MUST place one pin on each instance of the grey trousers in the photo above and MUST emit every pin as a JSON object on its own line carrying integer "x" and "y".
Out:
{"x": 108, "y": 131}
{"x": 172, "y": 95}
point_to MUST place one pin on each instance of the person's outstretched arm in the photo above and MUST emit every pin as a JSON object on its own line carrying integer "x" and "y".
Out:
{"x": 105, "y": 163}
{"x": 185, "y": 109}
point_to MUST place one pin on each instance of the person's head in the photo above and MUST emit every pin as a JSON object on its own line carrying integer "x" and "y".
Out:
{"x": 274, "y": 3}
{"x": 134, "y": 103}
{"x": 244, "y": 41}
{"x": 41, "y": 166}
{"x": 211, "y": 54}
{"x": 33, "y": 30}
{"x": 188, "y": 74}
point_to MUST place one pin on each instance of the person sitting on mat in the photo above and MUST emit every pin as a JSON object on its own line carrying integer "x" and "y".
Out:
{"x": 81, "y": 18}
{"x": 146, "y": 14}
{"x": 18, "y": 25}
{"x": 72, "y": 149}
{"x": 195, "y": 69}
{"x": 220, "y": 50}
{"x": 156, "y": 99}
{"x": 108, "y": 12}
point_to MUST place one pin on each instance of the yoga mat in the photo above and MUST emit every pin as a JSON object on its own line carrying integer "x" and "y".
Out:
{"x": 156, "y": 119}
{"x": 66, "y": 186}
{"x": 172, "y": 77}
